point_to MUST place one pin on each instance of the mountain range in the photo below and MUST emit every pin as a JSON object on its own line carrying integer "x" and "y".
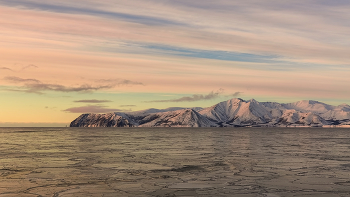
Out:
{"x": 235, "y": 112}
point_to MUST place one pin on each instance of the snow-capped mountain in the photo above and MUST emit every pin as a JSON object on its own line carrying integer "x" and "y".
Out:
{"x": 104, "y": 120}
{"x": 179, "y": 118}
{"x": 231, "y": 113}
{"x": 238, "y": 112}
{"x": 327, "y": 112}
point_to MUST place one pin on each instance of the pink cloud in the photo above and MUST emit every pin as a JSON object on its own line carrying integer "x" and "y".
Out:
{"x": 91, "y": 109}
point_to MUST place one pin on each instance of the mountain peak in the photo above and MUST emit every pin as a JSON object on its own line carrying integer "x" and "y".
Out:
{"x": 236, "y": 100}
{"x": 343, "y": 105}
{"x": 253, "y": 100}
{"x": 179, "y": 118}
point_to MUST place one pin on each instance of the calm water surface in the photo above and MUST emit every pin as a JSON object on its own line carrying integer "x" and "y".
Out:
{"x": 242, "y": 162}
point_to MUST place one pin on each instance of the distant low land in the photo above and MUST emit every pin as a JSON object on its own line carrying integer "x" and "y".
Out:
{"x": 232, "y": 113}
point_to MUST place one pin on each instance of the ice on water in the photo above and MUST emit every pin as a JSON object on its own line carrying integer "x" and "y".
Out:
{"x": 245, "y": 162}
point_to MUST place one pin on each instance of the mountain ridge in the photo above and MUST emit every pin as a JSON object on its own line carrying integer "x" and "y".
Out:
{"x": 235, "y": 112}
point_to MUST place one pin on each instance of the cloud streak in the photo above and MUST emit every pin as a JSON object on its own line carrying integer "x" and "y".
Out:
{"x": 20, "y": 80}
{"x": 29, "y": 66}
{"x": 36, "y": 86}
{"x": 236, "y": 94}
{"x": 127, "y": 105}
{"x": 5, "y": 68}
{"x": 119, "y": 82}
{"x": 92, "y": 101}
{"x": 71, "y": 9}
{"x": 24, "y": 68}
{"x": 193, "y": 98}
{"x": 91, "y": 109}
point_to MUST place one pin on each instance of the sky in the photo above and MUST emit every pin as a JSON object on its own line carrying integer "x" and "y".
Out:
{"x": 59, "y": 59}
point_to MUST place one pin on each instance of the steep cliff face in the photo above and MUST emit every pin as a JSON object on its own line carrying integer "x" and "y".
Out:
{"x": 234, "y": 112}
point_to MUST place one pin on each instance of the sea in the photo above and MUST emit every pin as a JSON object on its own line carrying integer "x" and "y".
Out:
{"x": 240, "y": 162}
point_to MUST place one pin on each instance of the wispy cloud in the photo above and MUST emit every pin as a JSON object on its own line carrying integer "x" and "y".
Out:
{"x": 5, "y": 68}
{"x": 91, "y": 109}
{"x": 119, "y": 82}
{"x": 29, "y": 66}
{"x": 193, "y": 98}
{"x": 40, "y": 87}
{"x": 93, "y": 101}
{"x": 236, "y": 94}
{"x": 211, "y": 54}
{"x": 84, "y": 10}
{"x": 127, "y": 105}
{"x": 20, "y": 80}
{"x": 23, "y": 68}
{"x": 36, "y": 86}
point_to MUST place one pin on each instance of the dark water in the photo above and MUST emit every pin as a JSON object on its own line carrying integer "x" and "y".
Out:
{"x": 239, "y": 162}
